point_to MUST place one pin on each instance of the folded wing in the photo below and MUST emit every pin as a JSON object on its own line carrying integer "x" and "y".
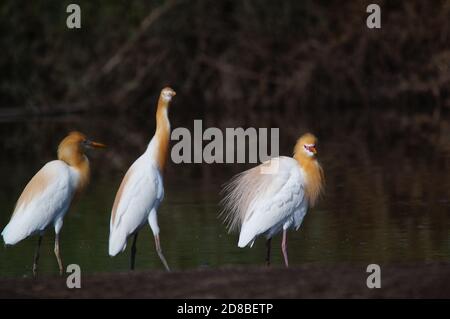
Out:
{"x": 46, "y": 197}
{"x": 258, "y": 202}
{"x": 140, "y": 191}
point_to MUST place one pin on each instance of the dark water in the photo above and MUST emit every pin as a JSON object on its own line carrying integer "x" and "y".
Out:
{"x": 380, "y": 206}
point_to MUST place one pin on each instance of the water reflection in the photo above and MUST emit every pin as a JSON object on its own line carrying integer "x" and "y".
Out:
{"x": 382, "y": 203}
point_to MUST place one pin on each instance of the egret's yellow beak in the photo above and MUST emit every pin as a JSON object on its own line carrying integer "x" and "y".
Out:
{"x": 311, "y": 148}
{"x": 95, "y": 144}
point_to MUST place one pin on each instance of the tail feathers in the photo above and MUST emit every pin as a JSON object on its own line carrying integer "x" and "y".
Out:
{"x": 12, "y": 237}
{"x": 117, "y": 243}
{"x": 246, "y": 239}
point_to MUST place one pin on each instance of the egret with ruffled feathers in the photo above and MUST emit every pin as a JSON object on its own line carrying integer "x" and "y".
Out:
{"x": 274, "y": 196}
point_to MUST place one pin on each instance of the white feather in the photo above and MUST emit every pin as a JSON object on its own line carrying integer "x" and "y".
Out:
{"x": 266, "y": 203}
{"x": 142, "y": 193}
{"x": 47, "y": 206}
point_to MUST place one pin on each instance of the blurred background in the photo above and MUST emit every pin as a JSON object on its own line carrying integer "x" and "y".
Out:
{"x": 378, "y": 99}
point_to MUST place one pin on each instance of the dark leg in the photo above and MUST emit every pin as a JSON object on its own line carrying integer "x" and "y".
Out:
{"x": 36, "y": 256}
{"x": 268, "y": 245}
{"x": 133, "y": 252}
{"x": 57, "y": 254}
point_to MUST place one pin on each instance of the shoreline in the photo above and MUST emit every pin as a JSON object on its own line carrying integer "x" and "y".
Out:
{"x": 402, "y": 280}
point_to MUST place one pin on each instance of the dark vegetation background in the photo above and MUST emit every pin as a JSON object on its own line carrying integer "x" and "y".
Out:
{"x": 377, "y": 99}
{"x": 292, "y": 64}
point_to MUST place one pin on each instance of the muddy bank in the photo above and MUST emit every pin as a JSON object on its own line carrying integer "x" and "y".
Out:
{"x": 307, "y": 281}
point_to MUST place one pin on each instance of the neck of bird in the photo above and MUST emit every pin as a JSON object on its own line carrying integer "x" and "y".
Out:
{"x": 314, "y": 177}
{"x": 75, "y": 158}
{"x": 162, "y": 134}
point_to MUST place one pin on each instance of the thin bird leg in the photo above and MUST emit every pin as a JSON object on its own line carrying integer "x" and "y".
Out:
{"x": 36, "y": 257}
{"x": 268, "y": 245}
{"x": 57, "y": 254}
{"x": 284, "y": 248}
{"x": 133, "y": 252}
{"x": 161, "y": 256}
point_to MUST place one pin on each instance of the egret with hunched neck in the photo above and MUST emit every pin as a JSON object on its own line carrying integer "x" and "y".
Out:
{"x": 50, "y": 193}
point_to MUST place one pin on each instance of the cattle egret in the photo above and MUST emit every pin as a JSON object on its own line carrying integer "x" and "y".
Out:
{"x": 274, "y": 196}
{"x": 141, "y": 190}
{"x": 50, "y": 193}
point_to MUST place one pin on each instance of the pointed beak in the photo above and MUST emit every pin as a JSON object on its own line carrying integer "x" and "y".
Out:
{"x": 174, "y": 93}
{"x": 312, "y": 149}
{"x": 95, "y": 144}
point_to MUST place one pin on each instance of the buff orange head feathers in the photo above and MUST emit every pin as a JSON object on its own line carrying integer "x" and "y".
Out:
{"x": 72, "y": 147}
{"x": 305, "y": 152}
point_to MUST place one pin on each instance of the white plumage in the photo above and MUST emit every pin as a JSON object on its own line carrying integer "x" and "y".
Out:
{"x": 274, "y": 196}
{"x": 48, "y": 206}
{"x": 142, "y": 193}
{"x": 278, "y": 200}
{"x": 142, "y": 190}
{"x": 49, "y": 194}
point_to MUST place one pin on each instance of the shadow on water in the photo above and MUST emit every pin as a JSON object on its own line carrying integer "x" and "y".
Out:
{"x": 387, "y": 197}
